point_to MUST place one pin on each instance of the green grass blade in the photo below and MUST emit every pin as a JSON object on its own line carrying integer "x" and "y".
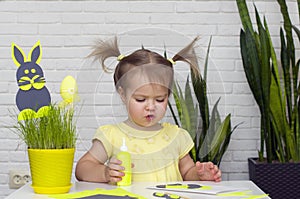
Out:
{"x": 56, "y": 130}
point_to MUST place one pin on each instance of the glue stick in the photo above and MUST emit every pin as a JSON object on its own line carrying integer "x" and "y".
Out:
{"x": 125, "y": 157}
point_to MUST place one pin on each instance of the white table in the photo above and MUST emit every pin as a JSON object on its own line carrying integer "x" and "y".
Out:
{"x": 26, "y": 192}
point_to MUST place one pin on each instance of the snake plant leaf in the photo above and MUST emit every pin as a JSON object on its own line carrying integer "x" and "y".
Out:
{"x": 277, "y": 103}
{"x": 187, "y": 111}
{"x": 215, "y": 119}
{"x": 199, "y": 86}
{"x": 173, "y": 113}
{"x": 296, "y": 68}
{"x": 206, "y": 60}
{"x": 277, "y": 109}
{"x": 227, "y": 139}
{"x": 191, "y": 109}
{"x": 265, "y": 76}
{"x": 182, "y": 111}
{"x": 297, "y": 31}
{"x": 220, "y": 136}
{"x": 244, "y": 15}
{"x": 264, "y": 61}
{"x": 177, "y": 100}
{"x": 273, "y": 55}
{"x": 215, "y": 123}
{"x": 184, "y": 117}
{"x": 290, "y": 56}
{"x": 251, "y": 64}
{"x": 288, "y": 28}
{"x": 285, "y": 60}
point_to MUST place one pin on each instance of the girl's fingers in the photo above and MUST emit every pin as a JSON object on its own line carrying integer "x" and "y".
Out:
{"x": 115, "y": 176}
{"x": 114, "y": 161}
{"x": 208, "y": 171}
{"x": 200, "y": 167}
{"x": 115, "y": 170}
{"x": 115, "y": 164}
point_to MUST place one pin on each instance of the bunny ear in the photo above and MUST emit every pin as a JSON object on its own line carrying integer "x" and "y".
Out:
{"x": 35, "y": 53}
{"x": 17, "y": 55}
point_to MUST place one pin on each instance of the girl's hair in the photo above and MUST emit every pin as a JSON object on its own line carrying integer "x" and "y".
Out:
{"x": 142, "y": 57}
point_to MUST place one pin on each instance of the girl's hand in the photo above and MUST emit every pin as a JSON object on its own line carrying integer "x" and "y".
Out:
{"x": 208, "y": 171}
{"x": 114, "y": 170}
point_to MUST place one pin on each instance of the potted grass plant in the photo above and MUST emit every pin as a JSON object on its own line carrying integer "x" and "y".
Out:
{"x": 47, "y": 129}
{"x": 51, "y": 143}
{"x": 211, "y": 135}
{"x": 276, "y": 170}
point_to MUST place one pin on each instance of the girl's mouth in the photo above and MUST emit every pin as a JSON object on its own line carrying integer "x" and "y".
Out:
{"x": 150, "y": 117}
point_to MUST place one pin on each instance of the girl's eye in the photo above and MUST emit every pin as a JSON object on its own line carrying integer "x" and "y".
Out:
{"x": 160, "y": 100}
{"x": 140, "y": 100}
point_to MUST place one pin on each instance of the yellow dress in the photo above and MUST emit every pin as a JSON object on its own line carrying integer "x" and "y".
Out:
{"x": 155, "y": 154}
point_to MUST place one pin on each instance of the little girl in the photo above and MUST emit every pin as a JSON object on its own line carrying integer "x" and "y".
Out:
{"x": 159, "y": 151}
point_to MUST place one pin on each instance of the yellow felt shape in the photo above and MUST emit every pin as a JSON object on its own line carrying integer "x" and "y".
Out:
{"x": 36, "y": 85}
{"x": 235, "y": 193}
{"x": 30, "y": 114}
{"x": 69, "y": 90}
{"x": 245, "y": 194}
{"x": 109, "y": 192}
{"x": 17, "y": 60}
{"x": 257, "y": 196}
{"x": 38, "y": 60}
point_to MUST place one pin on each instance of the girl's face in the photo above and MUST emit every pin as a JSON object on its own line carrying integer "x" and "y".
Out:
{"x": 147, "y": 104}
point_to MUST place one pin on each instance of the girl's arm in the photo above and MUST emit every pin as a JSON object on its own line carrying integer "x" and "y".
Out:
{"x": 91, "y": 166}
{"x": 200, "y": 171}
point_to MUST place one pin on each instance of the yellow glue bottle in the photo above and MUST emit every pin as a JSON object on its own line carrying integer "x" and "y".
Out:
{"x": 125, "y": 157}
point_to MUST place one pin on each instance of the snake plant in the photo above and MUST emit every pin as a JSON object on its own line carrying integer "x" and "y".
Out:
{"x": 213, "y": 137}
{"x": 277, "y": 95}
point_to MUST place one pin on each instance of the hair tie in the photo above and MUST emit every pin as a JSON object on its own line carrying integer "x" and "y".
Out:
{"x": 172, "y": 61}
{"x": 120, "y": 57}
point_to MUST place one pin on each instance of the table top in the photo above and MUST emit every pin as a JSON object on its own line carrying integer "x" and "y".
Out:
{"x": 142, "y": 188}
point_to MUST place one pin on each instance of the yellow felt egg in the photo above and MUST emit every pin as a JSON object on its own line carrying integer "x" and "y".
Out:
{"x": 69, "y": 90}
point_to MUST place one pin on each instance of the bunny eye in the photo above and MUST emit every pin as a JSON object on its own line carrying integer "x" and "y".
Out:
{"x": 33, "y": 70}
{"x": 26, "y": 71}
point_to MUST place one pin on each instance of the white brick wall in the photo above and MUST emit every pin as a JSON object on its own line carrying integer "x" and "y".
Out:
{"x": 67, "y": 30}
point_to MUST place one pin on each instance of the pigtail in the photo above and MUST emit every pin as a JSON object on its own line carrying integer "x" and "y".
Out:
{"x": 189, "y": 56}
{"x": 105, "y": 49}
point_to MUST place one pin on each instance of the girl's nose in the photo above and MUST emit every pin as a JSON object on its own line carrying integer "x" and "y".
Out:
{"x": 150, "y": 105}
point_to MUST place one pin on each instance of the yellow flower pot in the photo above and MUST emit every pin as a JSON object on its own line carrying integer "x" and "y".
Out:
{"x": 51, "y": 170}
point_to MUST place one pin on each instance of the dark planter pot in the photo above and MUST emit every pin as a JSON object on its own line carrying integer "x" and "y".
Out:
{"x": 279, "y": 180}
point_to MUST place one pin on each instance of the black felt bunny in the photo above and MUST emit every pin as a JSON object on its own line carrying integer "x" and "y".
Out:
{"x": 32, "y": 94}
